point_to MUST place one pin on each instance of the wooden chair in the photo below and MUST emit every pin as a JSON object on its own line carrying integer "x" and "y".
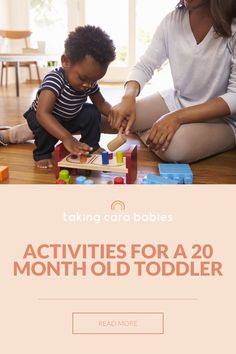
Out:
{"x": 23, "y": 35}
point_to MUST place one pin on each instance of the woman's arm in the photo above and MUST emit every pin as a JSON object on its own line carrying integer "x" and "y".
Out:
{"x": 164, "y": 129}
{"x": 214, "y": 108}
{"x": 123, "y": 114}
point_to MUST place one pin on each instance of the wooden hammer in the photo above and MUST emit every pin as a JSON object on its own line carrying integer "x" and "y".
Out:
{"x": 119, "y": 140}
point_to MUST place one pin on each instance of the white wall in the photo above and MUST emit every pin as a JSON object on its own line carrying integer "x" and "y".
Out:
{"x": 14, "y": 16}
{"x": 18, "y": 14}
{"x": 18, "y": 20}
{"x": 4, "y": 20}
{"x": 4, "y": 14}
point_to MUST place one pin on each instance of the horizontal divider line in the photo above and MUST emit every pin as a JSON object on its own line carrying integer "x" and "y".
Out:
{"x": 117, "y": 299}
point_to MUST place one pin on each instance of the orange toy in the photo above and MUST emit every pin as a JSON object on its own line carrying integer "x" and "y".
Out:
{"x": 83, "y": 158}
{"x": 4, "y": 173}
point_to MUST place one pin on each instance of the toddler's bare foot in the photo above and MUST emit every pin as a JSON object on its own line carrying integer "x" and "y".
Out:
{"x": 43, "y": 164}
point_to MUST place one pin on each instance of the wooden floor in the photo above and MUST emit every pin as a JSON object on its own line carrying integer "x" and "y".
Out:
{"x": 219, "y": 169}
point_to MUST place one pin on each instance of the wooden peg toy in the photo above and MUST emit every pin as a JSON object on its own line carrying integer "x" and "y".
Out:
{"x": 119, "y": 156}
{"x": 118, "y": 141}
{"x": 94, "y": 163}
{"x": 83, "y": 158}
{"x": 105, "y": 158}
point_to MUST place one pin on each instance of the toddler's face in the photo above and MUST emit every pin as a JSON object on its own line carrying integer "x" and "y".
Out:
{"x": 82, "y": 75}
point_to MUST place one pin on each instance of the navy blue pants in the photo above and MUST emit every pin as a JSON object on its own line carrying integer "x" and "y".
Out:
{"x": 87, "y": 123}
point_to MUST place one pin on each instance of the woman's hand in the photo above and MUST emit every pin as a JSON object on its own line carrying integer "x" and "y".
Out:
{"x": 163, "y": 131}
{"x": 75, "y": 147}
{"x": 123, "y": 114}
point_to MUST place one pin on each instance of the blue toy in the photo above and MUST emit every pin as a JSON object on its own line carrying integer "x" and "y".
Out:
{"x": 80, "y": 180}
{"x": 153, "y": 179}
{"x": 181, "y": 173}
{"x": 88, "y": 181}
{"x": 83, "y": 180}
{"x": 105, "y": 158}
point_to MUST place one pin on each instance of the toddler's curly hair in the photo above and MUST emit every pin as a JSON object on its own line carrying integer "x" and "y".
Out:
{"x": 90, "y": 40}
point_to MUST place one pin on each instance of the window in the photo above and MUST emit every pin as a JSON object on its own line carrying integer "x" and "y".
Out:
{"x": 112, "y": 17}
{"x": 149, "y": 14}
{"x": 130, "y": 23}
{"x": 48, "y": 22}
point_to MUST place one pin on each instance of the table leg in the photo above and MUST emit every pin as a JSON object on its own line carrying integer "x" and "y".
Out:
{"x": 17, "y": 80}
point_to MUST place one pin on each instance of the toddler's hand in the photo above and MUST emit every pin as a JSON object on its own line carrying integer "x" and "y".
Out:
{"x": 76, "y": 147}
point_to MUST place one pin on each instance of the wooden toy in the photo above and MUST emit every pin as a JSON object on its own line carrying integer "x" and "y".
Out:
{"x": 64, "y": 175}
{"x": 118, "y": 141}
{"x": 94, "y": 163}
{"x": 105, "y": 158}
{"x": 119, "y": 157}
{"x": 119, "y": 180}
{"x": 4, "y": 173}
{"x": 83, "y": 158}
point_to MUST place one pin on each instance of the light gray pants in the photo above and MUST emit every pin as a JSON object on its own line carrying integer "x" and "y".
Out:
{"x": 191, "y": 142}
{"x": 20, "y": 133}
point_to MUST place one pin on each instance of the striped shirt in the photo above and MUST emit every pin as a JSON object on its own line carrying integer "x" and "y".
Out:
{"x": 69, "y": 102}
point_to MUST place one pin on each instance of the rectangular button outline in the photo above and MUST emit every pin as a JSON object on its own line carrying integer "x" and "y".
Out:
{"x": 117, "y": 313}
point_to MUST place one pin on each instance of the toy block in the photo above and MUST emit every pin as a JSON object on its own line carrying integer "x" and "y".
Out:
{"x": 178, "y": 172}
{"x": 154, "y": 179}
{"x": 4, "y": 173}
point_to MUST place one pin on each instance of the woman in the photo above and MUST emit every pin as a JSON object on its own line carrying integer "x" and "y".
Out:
{"x": 197, "y": 118}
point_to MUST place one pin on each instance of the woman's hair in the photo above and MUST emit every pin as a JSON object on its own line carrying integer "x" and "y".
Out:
{"x": 223, "y": 12}
{"x": 90, "y": 40}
